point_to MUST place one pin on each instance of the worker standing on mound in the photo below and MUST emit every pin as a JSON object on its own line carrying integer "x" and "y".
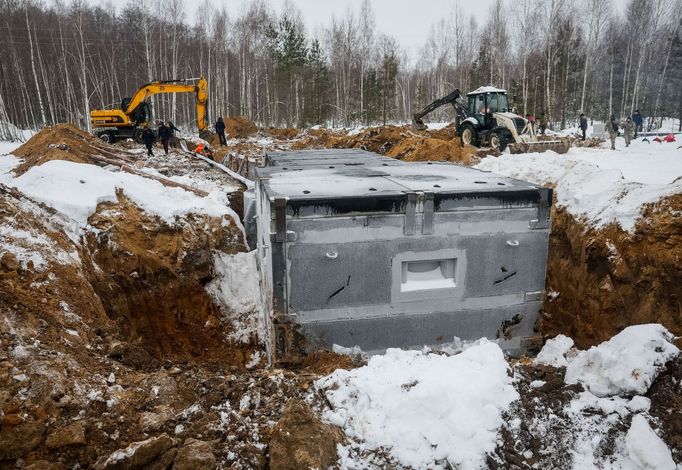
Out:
{"x": 220, "y": 130}
{"x": 148, "y": 138}
{"x": 583, "y": 124}
{"x": 612, "y": 129}
{"x": 629, "y": 131}
{"x": 165, "y": 133}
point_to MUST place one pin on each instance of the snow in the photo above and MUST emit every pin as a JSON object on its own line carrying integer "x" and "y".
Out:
{"x": 236, "y": 289}
{"x": 426, "y": 410}
{"x": 8, "y": 147}
{"x": 600, "y": 185}
{"x": 76, "y": 189}
{"x": 626, "y": 364}
{"x": 554, "y": 351}
{"x": 486, "y": 89}
{"x": 645, "y": 448}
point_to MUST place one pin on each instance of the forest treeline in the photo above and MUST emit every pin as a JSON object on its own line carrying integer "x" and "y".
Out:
{"x": 60, "y": 59}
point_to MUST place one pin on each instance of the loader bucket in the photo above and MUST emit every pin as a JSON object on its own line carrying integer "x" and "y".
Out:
{"x": 558, "y": 146}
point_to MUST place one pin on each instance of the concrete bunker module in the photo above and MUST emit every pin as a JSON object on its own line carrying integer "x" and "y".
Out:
{"x": 359, "y": 249}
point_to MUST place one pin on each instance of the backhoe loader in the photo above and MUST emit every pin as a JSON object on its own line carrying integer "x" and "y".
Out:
{"x": 128, "y": 119}
{"x": 486, "y": 119}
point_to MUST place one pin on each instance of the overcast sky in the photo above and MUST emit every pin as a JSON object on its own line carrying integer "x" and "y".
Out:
{"x": 409, "y": 21}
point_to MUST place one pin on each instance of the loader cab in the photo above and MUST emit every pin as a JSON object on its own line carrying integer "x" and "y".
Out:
{"x": 485, "y": 101}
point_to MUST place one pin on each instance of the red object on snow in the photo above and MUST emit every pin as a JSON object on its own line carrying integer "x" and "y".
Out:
{"x": 669, "y": 138}
{"x": 657, "y": 139}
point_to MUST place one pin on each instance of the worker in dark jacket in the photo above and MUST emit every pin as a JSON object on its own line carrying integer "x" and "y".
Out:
{"x": 638, "y": 119}
{"x": 148, "y": 138}
{"x": 165, "y": 134}
{"x": 220, "y": 130}
{"x": 583, "y": 124}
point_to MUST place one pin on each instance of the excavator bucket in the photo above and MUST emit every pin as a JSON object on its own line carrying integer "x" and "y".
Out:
{"x": 558, "y": 146}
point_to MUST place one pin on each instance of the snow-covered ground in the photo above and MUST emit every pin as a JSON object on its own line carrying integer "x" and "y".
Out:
{"x": 599, "y": 184}
{"x": 427, "y": 410}
{"x": 422, "y": 407}
{"x": 7, "y": 147}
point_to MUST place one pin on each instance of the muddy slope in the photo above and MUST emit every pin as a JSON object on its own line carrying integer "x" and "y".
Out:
{"x": 609, "y": 279}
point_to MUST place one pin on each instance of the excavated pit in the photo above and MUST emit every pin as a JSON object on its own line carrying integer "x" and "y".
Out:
{"x": 605, "y": 280}
{"x": 151, "y": 281}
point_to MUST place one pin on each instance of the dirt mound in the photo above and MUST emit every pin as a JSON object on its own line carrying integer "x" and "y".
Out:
{"x": 239, "y": 127}
{"x": 301, "y": 440}
{"x": 63, "y": 142}
{"x": 608, "y": 279}
{"x": 401, "y": 142}
{"x": 152, "y": 282}
{"x": 326, "y": 362}
{"x": 430, "y": 149}
{"x": 286, "y": 133}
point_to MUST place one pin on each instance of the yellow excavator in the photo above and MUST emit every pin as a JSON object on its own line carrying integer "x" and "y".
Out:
{"x": 127, "y": 121}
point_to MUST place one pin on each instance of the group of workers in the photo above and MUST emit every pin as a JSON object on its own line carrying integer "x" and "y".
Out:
{"x": 632, "y": 125}
{"x": 166, "y": 132}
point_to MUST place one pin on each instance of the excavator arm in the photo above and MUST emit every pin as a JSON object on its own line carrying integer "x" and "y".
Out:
{"x": 448, "y": 99}
{"x": 200, "y": 90}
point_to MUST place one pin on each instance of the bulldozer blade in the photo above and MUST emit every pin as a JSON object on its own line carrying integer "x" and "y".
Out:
{"x": 558, "y": 146}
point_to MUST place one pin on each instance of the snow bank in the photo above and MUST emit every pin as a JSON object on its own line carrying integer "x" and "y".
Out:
{"x": 554, "y": 351}
{"x": 424, "y": 409}
{"x": 75, "y": 189}
{"x": 598, "y": 184}
{"x": 626, "y": 364}
{"x": 236, "y": 289}
{"x": 645, "y": 448}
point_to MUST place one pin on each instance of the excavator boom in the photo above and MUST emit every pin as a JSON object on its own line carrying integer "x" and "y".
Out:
{"x": 435, "y": 104}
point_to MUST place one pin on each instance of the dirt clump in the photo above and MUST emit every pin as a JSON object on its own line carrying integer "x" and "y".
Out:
{"x": 605, "y": 280}
{"x": 239, "y": 127}
{"x": 286, "y": 133}
{"x": 63, "y": 142}
{"x": 429, "y": 149}
{"x": 325, "y": 362}
{"x": 301, "y": 440}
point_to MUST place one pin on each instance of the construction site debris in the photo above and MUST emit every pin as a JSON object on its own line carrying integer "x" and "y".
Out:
{"x": 67, "y": 142}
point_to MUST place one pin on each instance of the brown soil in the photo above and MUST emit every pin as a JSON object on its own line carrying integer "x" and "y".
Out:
{"x": 400, "y": 142}
{"x": 609, "y": 279}
{"x": 326, "y": 362}
{"x": 152, "y": 281}
{"x": 286, "y": 133}
{"x": 62, "y": 142}
{"x": 301, "y": 440}
{"x": 239, "y": 127}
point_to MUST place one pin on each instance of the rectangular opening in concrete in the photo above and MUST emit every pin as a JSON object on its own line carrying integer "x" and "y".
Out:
{"x": 432, "y": 274}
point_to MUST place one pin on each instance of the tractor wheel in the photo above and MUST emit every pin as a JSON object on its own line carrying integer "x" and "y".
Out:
{"x": 497, "y": 141}
{"x": 107, "y": 137}
{"x": 468, "y": 134}
{"x": 137, "y": 136}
